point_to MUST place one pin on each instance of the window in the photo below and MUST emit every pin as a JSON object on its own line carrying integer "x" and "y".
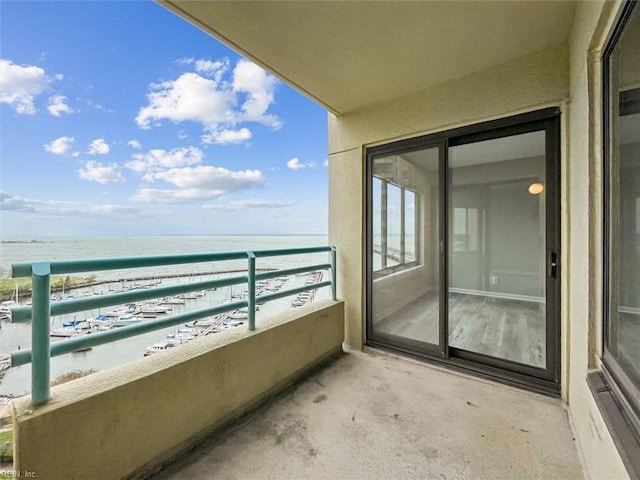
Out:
{"x": 622, "y": 188}
{"x": 465, "y": 229}
{"x": 394, "y": 216}
{"x": 618, "y": 385}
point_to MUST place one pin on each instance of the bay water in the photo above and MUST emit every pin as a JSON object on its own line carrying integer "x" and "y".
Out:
{"x": 14, "y": 336}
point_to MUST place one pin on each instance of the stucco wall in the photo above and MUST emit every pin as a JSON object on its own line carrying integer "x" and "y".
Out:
{"x": 592, "y": 22}
{"x": 567, "y": 76}
{"x": 117, "y": 421}
{"x": 534, "y": 81}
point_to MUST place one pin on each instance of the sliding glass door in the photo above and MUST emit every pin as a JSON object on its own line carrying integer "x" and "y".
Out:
{"x": 497, "y": 252}
{"x": 405, "y": 271}
{"x": 463, "y": 247}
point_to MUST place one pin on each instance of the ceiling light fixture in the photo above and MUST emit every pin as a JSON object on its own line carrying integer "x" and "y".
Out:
{"x": 536, "y": 188}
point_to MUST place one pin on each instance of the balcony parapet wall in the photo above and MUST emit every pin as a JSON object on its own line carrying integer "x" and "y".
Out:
{"x": 126, "y": 421}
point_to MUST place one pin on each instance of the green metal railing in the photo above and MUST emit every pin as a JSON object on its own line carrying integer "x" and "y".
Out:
{"x": 41, "y": 310}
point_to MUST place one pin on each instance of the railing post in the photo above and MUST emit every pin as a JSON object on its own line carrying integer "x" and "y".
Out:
{"x": 40, "y": 342}
{"x": 251, "y": 290}
{"x": 333, "y": 274}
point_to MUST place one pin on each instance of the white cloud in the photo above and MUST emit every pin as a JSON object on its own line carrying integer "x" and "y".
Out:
{"x": 224, "y": 137}
{"x": 251, "y": 203}
{"x": 198, "y": 184}
{"x": 326, "y": 162}
{"x": 15, "y": 204}
{"x": 296, "y": 164}
{"x": 10, "y": 202}
{"x": 60, "y": 145}
{"x": 261, "y": 203}
{"x": 205, "y": 97}
{"x": 154, "y": 195}
{"x": 185, "y": 61}
{"x": 134, "y": 144}
{"x": 101, "y": 173}
{"x": 158, "y": 159}
{"x": 20, "y": 85}
{"x": 259, "y": 88}
{"x": 188, "y": 98}
{"x": 97, "y": 106}
{"x": 212, "y": 69}
{"x": 57, "y": 106}
{"x": 208, "y": 177}
{"x": 98, "y": 147}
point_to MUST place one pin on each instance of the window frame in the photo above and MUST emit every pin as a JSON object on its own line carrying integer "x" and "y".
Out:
{"x": 383, "y": 271}
{"x": 615, "y": 393}
{"x": 530, "y": 378}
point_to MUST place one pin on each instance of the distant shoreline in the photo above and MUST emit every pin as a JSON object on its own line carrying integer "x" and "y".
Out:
{"x": 25, "y": 241}
{"x": 50, "y": 238}
{"x": 91, "y": 282}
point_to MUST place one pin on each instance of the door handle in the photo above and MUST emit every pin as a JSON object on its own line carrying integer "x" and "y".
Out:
{"x": 552, "y": 264}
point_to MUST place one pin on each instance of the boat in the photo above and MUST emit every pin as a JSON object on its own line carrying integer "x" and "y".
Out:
{"x": 230, "y": 322}
{"x": 172, "y": 301}
{"x": 118, "y": 312}
{"x": 125, "y": 320}
{"x": 66, "y": 332}
{"x": 208, "y": 322}
{"x": 5, "y": 361}
{"x": 159, "y": 347}
{"x": 151, "y": 308}
{"x": 101, "y": 322}
{"x": 83, "y": 324}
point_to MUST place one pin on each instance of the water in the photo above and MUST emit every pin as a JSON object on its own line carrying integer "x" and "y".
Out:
{"x": 13, "y": 336}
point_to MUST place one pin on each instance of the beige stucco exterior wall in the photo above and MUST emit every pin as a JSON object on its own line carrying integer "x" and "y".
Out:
{"x": 567, "y": 76}
{"x": 117, "y": 421}
{"x": 529, "y": 83}
{"x": 593, "y": 21}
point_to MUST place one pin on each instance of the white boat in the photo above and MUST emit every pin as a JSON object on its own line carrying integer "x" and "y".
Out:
{"x": 180, "y": 337}
{"x": 5, "y": 313}
{"x": 238, "y": 315}
{"x": 173, "y": 301}
{"x": 125, "y": 320}
{"x": 117, "y": 312}
{"x": 210, "y": 321}
{"x": 154, "y": 308}
{"x": 159, "y": 347}
{"x": 5, "y": 361}
{"x": 66, "y": 332}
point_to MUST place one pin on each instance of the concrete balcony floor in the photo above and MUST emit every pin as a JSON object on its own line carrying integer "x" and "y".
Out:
{"x": 376, "y": 416}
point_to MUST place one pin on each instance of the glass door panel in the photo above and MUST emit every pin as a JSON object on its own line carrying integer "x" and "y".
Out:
{"x": 405, "y": 259}
{"x": 497, "y": 248}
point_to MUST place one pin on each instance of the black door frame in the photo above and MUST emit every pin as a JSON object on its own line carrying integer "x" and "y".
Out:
{"x": 546, "y": 381}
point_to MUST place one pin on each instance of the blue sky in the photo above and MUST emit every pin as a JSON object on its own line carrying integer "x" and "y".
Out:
{"x": 121, "y": 118}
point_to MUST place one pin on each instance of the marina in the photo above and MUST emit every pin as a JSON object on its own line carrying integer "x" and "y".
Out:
{"x": 16, "y": 380}
{"x": 15, "y": 336}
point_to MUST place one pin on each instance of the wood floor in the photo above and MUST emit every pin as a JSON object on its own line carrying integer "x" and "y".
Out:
{"x": 509, "y": 329}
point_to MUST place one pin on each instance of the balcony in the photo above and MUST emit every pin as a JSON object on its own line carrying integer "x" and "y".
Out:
{"x": 376, "y": 416}
{"x": 277, "y": 400}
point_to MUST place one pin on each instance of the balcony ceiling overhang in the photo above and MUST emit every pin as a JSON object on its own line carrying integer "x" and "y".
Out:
{"x": 350, "y": 55}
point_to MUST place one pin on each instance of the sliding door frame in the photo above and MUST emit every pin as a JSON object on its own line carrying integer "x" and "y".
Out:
{"x": 524, "y": 376}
